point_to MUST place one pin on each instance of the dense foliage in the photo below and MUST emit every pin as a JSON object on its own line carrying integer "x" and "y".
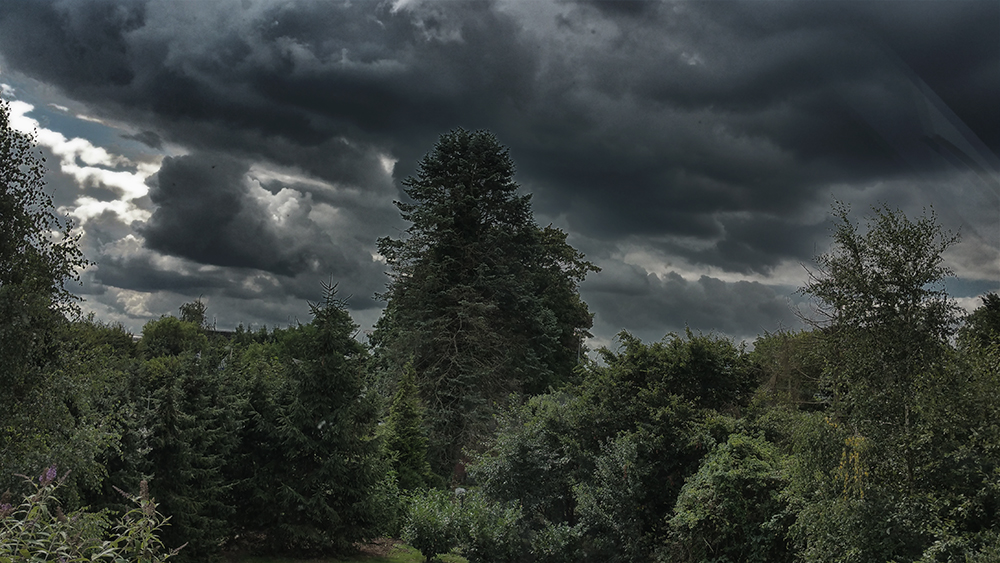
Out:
{"x": 38, "y": 257}
{"x": 870, "y": 437}
{"x": 37, "y": 529}
{"x": 482, "y": 301}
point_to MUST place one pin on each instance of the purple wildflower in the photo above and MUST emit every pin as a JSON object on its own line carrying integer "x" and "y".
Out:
{"x": 48, "y": 476}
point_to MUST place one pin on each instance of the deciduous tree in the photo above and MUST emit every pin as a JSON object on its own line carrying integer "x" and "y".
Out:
{"x": 38, "y": 256}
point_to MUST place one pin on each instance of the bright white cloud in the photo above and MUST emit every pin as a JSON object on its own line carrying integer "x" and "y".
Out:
{"x": 90, "y": 119}
{"x": 388, "y": 163}
{"x": 90, "y": 166}
{"x": 788, "y": 273}
{"x": 87, "y": 208}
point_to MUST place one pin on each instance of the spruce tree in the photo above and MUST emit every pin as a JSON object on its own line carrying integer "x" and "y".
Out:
{"x": 324, "y": 488}
{"x": 482, "y": 299}
{"x": 189, "y": 413}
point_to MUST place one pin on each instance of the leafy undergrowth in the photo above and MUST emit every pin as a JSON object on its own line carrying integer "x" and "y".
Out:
{"x": 380, "y": 551}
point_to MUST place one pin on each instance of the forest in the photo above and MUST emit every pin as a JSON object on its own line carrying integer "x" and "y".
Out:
{"x": 474, "y": 421}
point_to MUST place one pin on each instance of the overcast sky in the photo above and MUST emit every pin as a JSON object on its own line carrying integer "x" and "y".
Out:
{"x": 245, "y": 151}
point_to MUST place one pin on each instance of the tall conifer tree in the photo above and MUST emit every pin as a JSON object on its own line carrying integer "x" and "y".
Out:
{"x": 324, "y": 492}
{"x": 482, "y": 299}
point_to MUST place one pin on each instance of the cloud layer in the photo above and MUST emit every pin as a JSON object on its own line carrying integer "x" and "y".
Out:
{"x": 690, "y": 148}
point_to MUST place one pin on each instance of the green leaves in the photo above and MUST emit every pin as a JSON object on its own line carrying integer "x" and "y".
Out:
{"x": 406, "y": 438}
{"x": 38, "y": 255}
{"x": 484, "y": 531}
{"x": 38, "y": 252}
{"x": 316, "y": 494}
{"x": 38, "y": 530}
{"x": 890, "y": 275}
{"x": 731, "y": 509}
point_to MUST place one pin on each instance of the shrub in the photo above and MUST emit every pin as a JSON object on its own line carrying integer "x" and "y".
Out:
{"x": 430, "y": 526}
{"x": 484, "y": 531}
{"x": 610, "y": 507}
{"x": 37, "y": 529}
{"x": 731, "y": 509}
{"x": 490, "y": 532}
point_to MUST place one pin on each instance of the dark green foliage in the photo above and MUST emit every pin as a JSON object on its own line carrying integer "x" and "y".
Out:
{"x": 905, "y": 468}
{"x": 597, "y": 468}
{"x": 536, "y": 459}
{"x": 490, "y": 532}
{"x": 612, "y": 506}
{"x": 708, "y": 371}
{"x": 888, "y": 318}
{"x": 38, "y": 253}
{"x": 982, "y": 326}
{"x": 314, "y": 488}
{"x": 258, "y": 464}
{"x": 666, "y": 395}
{"x": 406, "y": 438}
{"x": 69, "y": 416}
{"x": 45, "y": 414}
{"x": 557, "y": 543}
{"x": 482, "y": 300}
{"x": 169, "y": 336}
{"x": 790, "y": 369}
{"x": 194, "y": 312}
{"x": 732, "y": 508}
{"x": 483, "y": 530}
{"x": 191, "y": 421}
{"x": 890, "y": 276}
{"x": 99, "y": 362}
{"x": 431, "y": 523}
{"x": 30, "y": 258}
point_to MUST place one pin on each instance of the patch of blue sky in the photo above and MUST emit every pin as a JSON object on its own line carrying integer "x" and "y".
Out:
{"x": 963, "y": 287}
{"x": 100, "y": 134}
{"x": 53, "y": 115}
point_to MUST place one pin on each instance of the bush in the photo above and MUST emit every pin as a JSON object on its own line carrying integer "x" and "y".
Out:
{"x": 490, "y": 532}
{"x": 37, "y": 529}
{"x": 610, "y": 507}
{"x": 483, "y": 530}
{"x": 731, "y": 509}
{"x": 430, "y": 526}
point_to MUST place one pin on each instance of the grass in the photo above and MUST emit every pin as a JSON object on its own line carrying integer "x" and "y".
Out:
{"x": 383, "y": 553}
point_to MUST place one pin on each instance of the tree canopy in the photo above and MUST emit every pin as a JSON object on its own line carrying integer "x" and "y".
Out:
{"x": 38, "y": 256}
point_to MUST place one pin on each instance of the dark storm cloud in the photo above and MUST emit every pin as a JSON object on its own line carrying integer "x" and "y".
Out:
{"x": 725, "y": 123}
{"x": 204, "y": 213}
{"x": 656, "y": 305}
{"x": 693, "y": 107}
{"x": 149, "y": 138}
{"x": 741, "y": 246}
{"x": 140, "y": 274}
{"x": 298, "y": 74}
{"x": 78, "y": 45}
